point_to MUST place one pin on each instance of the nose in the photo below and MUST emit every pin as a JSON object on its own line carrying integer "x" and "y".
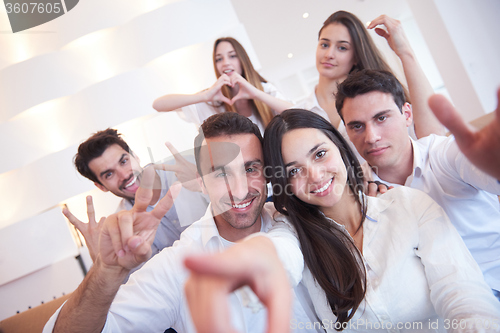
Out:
{"x": 330, "y": 52}
{"x": 316, "y": 173}
{"x": 238, "y": 187}
{"x": 124, "y": 173}
{"x": 371, "y": 134}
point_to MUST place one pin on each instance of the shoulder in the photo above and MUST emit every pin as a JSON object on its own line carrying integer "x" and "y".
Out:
{"x": 402, "y": 197}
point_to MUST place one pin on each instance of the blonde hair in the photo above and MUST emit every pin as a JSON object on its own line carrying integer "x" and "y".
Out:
{"x": 248, "y": 73}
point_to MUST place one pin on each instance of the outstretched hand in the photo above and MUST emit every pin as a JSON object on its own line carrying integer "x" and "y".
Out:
{"x": 185, "y": 171}
{"x": 127, "y": 236}
{"x": 394, "y": 34}
{"x": 90, "y": 230}
{"x": 254, "y": 263}
{"x": 482, "y": 147}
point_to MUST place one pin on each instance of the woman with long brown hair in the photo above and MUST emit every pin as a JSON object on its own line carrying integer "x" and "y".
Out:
{"x": 239, "y": 88}
{"x": 344, "y": 46}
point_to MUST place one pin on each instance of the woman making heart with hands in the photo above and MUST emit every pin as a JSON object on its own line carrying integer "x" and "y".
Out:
{"x": 239, "y": 88}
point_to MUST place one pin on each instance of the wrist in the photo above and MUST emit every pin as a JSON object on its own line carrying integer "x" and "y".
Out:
{"x": 110, "y": 272}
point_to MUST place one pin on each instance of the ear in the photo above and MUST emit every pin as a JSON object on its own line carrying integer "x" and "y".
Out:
{"x": 101, "y": 187}
{"x": 408, "y": 114}
{"x": 200, "y": 181}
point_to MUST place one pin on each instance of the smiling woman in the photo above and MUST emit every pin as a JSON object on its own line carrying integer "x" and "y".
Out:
{"x": 239, "y": 88}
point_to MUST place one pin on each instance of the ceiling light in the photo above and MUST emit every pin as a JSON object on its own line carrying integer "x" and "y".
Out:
{"x": 305, "y": 15}
{"x": 290, "y": 55}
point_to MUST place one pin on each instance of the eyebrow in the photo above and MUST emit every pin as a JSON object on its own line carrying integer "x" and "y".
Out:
{"x": 378, "y": 114}
{"x": 339, "y": 41}
{"x": 230, "y": 53}
{"x": 307, "y": 155}
{"x": 247, "y": 164}
{"x": 108, "y": 170}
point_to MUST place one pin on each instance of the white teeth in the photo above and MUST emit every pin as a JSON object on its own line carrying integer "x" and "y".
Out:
{"x": 243, "y": 205}
{"x": 228, "y": 71}
{"x": 130, "y": 183}
{"x": 324, "y": 187}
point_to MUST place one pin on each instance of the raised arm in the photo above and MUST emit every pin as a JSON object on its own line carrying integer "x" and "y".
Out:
{"x": 418, "y": 85}
{"x": 173, "y": 102}
{"x": 125, "y": 242}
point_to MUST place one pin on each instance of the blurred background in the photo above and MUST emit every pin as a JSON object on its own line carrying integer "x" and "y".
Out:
{"x": 104, "y": 62}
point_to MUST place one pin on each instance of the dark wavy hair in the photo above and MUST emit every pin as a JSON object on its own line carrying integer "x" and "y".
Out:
{"x": 329, "y": 253}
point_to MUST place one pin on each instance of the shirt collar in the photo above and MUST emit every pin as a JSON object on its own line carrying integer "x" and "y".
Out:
{"x": 418, "y": 159}
{"x": 209, "y": 228}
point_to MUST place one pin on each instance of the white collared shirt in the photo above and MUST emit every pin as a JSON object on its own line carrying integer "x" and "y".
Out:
{"x": 467, "y": 195}
{"x": 418, "y": 269}
{"x": 153, "y": 299}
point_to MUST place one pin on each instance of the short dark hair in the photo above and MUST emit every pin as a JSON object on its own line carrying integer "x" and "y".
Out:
{"x": 226, "y": 123}
{"x": 365, "y": 81}
{"x": 93, "y": 148}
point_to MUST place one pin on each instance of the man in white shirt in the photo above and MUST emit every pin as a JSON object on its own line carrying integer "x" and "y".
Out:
{"x": 106, "y": 159}
{"x": 376, "y": 118}
{"x": 230, "y": 162}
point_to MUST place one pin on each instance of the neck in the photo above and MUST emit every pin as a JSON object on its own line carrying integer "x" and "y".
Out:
{"x": 232, "y": 234}
{"x": 346, "y": 212}
{"x": 398, "y": 172}
{"x": 325, "y": 94}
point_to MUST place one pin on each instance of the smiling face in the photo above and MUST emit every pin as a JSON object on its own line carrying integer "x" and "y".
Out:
{"x": 226, "y": 59}
{"x": 237, "y": 188}
{"x": 117, "y": 171}
{"x": 314, "y": 167}
{"x": 335, "y": 52}
{"x": 378, "y": 129}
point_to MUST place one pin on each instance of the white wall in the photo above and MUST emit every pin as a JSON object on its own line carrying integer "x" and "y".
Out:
{"x": 100, "y": 65}
{"x": 463, "y": 38}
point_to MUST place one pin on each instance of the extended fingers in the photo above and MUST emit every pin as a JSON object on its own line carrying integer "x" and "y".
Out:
{"x": 144, "y": 193}
{"x": 449, "y": 117}
{"x": 167, "y": 201}
{"x": 90, "y": 209}
{"x": 72, "y": 219}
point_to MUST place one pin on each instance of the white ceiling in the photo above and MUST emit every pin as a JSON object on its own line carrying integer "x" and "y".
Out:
{"x": 276, "y": 27}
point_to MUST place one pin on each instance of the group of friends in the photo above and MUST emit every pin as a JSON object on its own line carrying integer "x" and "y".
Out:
{"x": 366, "y": 228}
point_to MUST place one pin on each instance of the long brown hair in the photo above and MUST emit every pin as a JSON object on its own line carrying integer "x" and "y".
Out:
{"x": 366, "y": 53}
{"x": 331, "y": 256}
{"x": 250, "y": 74}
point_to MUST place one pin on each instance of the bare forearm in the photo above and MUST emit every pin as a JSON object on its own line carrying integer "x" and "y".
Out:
{"x": 274, "y": 103}
{"x": 87, "y": 308}
{"x": 420, "y": 90}
{"x": 176, "y": 101}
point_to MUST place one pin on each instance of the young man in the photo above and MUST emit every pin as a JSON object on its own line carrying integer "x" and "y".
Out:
{"x": 376, "y": 117}
{"x": 106, "y": 159}
{"x": 230, "y": 162}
